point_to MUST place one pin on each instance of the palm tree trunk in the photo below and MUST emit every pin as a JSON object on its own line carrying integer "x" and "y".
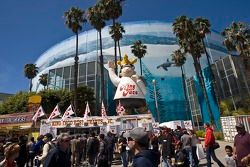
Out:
{"x": 119, "y": 48}
{"x": 202, "y": 84}
{"x": 115, "y": 50}
{"x": 30, "y": 84}
{"x": 141, "y": 66}
{"x": 102, "y": 71}
{"x": 185, "y": 92}
{"x": 76, "y": 75}
{"x": 212, "y": 74}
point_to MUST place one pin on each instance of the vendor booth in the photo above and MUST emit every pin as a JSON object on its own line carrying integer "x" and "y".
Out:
{"x": 79, "y": 125}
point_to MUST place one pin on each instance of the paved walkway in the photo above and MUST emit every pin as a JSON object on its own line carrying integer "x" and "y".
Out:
{"x": 220, "y": 153}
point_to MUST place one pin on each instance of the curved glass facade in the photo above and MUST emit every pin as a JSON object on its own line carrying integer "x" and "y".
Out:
{"x": 161, "y": 42}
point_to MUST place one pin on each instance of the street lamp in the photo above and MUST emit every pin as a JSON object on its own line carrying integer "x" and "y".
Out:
{"x": 156, "y": 101}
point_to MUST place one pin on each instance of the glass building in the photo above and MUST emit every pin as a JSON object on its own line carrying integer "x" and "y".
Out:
{"x": 58, "y": 62}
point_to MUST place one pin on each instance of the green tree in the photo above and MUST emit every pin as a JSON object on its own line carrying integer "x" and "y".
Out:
{"x": 96, "y": 19}
{"x": 50, "y": 98}
{"x": 74, "y": 19}
{"x": 112, "y": 9}
{"x": 116, "y": 32}
{"x": 85, "y": 94}
{"x": 30, "y": 71}
{"x": 237, "y": 38}
{"x": 17, "y": 103}
{"x": 190, "y": 41}
{"x": 203, "y": 27}
{"x": 43, "y": 79}
{"x": 179, "y": 59}
{"x": 139, "y": 50}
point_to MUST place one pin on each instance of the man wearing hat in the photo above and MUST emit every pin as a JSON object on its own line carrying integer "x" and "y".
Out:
{"x": 138, "y": 142}
{"x": 242, "y": 146}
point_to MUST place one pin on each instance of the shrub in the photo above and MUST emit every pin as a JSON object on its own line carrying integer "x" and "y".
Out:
{"x": 200, "y": 133}
{"x": 218, "y": 135}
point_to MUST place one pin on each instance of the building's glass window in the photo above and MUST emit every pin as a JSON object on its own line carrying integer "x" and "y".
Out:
{"x": 52, "y": 78}
{"x": 91, "y": 68}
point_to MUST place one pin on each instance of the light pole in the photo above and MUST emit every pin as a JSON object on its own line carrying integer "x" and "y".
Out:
{"x": 156, "y": 101}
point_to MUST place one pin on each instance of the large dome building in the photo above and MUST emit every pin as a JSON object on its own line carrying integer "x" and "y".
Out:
{"x": 58, "y": 62}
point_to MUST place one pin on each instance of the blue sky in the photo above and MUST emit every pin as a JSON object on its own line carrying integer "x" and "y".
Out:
{"x": 29, "y": 27}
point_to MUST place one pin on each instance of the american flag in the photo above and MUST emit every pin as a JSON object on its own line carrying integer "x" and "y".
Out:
{"x": 68, "y": 113}
{"x": 87, "y": 111}
{"x": 120, "y": 110}
{"x": 103, "y": 111}
{"x": 55, "y": 113}
{"x": 39, "y": 113}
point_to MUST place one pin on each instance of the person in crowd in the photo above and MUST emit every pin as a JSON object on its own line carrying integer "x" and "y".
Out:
{"x": 92, "y": 149}
{"x": 178, "y": 133}
{"x": 229, "y": 158}
{"x": 154, "y": 143}
{"x": 168, "y": 149}
{"x": 73, "y": 149}
{"x": 46, "y": 148}
{"x": 181, "y": 155}
{"x": 194, "y": 141}
{"x": 60, "y": 155}
{"x": 242, "y": 146}
{"x": 186, "y": 141}
{"x": 39, "y": 145}
{"x": 11, "y": 152}
{"x": 110, "y": 147}
{"x": 31, "y": 153}
{"x": 138, "y": 142}
{"x": 84, "y": 142}
{"x": 122, "y": 144}
{"x": 209, "y": 142}
{"x": 79, "y": 149}
{"x": 102, "y": 158}
{"x": 23, "y": 156}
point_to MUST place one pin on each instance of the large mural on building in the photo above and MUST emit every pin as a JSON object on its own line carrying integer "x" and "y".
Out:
{"x": 161, "y": 43}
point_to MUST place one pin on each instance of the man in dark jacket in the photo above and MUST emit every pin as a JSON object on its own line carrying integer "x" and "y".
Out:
{"x": 168, "y": 149}
{"x": 59, "y": 156}
{"x": 138, "y": 142}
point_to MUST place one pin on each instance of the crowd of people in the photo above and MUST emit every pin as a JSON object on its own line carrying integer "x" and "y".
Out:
{"x": 136, "y": 148}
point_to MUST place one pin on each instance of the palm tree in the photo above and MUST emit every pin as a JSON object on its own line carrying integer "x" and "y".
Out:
{"x": 74, "y": 18}
{"x": 30, "y": 71}
{"x": 190, "y": 41}
{"x": 116, "y": 32}
{"x": 203, "y": 27}
{"x": 43, "y": 79}
{"x": 112, "y": 10}
{"x": 237, "y": 38}
{"x": 96, "y": 19}
{"x": 179, "y": 59}
{"x": 139, "y": 50}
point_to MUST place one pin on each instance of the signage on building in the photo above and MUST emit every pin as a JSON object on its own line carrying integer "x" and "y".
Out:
{"x": 16, "y": 118}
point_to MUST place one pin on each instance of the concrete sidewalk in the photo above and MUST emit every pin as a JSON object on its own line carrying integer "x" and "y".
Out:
{"x": 220, "y": 153}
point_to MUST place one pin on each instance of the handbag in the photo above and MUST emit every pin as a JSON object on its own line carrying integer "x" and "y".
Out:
{"x": 216, "y": 145}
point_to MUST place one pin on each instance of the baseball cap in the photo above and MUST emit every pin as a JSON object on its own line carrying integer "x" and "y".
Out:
{"x": 138, "y": 134}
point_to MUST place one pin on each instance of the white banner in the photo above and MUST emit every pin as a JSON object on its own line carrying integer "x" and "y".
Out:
{"x": 45, "y": 128}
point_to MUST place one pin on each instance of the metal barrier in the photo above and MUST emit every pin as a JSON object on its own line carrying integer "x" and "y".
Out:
{"x": 228, "y": 125}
